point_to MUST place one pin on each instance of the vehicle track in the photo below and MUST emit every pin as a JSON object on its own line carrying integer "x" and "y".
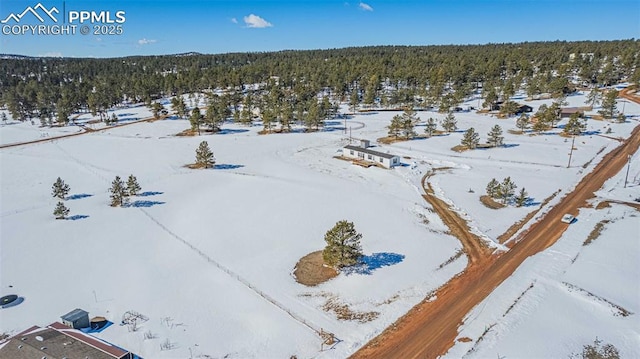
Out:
{"x": 430, "y": 328}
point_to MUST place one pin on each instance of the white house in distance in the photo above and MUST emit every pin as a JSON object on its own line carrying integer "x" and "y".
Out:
{"x": 364, "y": 154}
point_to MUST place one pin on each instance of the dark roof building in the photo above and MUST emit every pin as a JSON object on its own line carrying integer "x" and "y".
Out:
{"x": 58, "y": 341}
{"x": 76, "y": 319}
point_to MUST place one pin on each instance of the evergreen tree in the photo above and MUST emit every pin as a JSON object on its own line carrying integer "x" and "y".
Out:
{"x": 507, "y": 189}
{"x": 493, "y": 188}
{"x": 354, "y": 100}
{"x": 470, "y": 138}
{"x": 61, "y": 211}
{"x": 409, "y": 120}
{"x": 523, "y": 122}
{"x": 430, "y": 127}
{"x": 156, "y": 109}
{"x": 343, "y": 245}
{"x": 450, "y": 123}
{"x": 195, "y": 119}
{"x": 396, "y": 126}
{"x": 179, "y": 106}
{"x": 522, "y": 198}
{"x": 575, "y": 126}
{"x": 490, "y": 98}
{"x": 246, "y": 115}
{"x": 204, "y": 156}
{"x": 268, "y": 117}
{"x": 133, "y": 188}
{"x": 4, "y": 117}
{"x": 495, "y": 136}
{"x": 60, "y": 189}
{"x": 118, "y": 192}
{"x": 621, "y": 118}
{"x": 609, "y": 108}
{"x": 593, "y": 97}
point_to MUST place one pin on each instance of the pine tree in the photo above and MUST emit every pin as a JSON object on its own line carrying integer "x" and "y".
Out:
{"x": 575, "y": 126}
{"x": 621, "y": 118}
{"x": 609, "y": 108}
{"x": 449, "y": 123}
{"x": 594, "y": 97}
{"x": 495, "y": 136}
{"x": 195, "y": 119}
{"x": 407, "y": 129}
{"x": 60, "y": 189}
{"x": 430, "y": 127}
{"x": 4, "y": 117}
{"x": 133, "y": 188}
{"x": 522, "y": 198}
{"x": 204, "y": 156}
{"x": 156, "y": 109}
{"x": 523, "y": 122}
{"x": 118, "y": 192}
{"x": 493, "y": 188}
{"x": 343, "y": 245}
{"x": 396, "y": 126}
{"x": 354, "y": 99}
{"x": 61, "y": 211}
{"x": 507, "y": 189}
{"x": 470, "y": 139}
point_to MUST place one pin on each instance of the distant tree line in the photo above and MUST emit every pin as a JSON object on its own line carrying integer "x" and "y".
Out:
{"x": 304, "y": 86}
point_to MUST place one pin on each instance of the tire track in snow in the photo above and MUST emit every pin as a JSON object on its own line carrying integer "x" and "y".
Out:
{"x": 233, "y": 275}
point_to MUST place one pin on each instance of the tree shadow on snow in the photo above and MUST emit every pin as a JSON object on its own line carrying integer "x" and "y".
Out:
{"x": 78, "y": 196}
{"x": 509, "y": 145}
{"x": 373, "y": 262}
{"x": 149, "y": 193}
{"x": 144, "y": 204}
{"x": 227, "y": 167}
{"x": 228, "y": 131}
{"x": 77, "y": 217}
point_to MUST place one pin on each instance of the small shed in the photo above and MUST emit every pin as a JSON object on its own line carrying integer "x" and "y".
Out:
{"x": 76, "y": 319}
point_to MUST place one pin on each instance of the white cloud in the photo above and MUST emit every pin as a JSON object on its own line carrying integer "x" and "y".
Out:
{"x": 145, "y": 41}
{"x": 51, "y": 54}
{"x": 256, "y": 21}
{"x": 234, "y": 20}
{"x": 365, "y": 7}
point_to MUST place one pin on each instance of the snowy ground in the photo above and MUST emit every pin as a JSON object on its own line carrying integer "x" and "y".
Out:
{"x": 213, "y": 250}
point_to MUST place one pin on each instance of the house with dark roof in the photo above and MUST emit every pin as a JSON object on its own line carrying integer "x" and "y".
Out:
{"x": 365, "y": 154}
{"x": 58, "y": 341}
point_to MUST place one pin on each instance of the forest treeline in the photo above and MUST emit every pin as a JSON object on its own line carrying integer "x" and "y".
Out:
{"x": 54, "y": 88}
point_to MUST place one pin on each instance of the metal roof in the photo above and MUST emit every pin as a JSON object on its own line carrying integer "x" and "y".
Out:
{"x": 74, "y": 315}
{"x": 370, "y": 152}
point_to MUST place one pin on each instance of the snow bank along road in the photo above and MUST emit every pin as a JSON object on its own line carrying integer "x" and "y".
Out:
{"x": 430, "y": 328}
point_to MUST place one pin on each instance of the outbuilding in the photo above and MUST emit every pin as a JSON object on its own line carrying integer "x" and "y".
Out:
{"x": 76, "y": 319}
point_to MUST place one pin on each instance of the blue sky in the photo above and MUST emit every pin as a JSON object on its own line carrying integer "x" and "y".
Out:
{"x": 172, "y": 26}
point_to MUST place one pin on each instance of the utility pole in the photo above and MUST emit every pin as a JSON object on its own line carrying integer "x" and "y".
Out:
{"x": 571, "y": 152}
{"x": 627, "y": 175}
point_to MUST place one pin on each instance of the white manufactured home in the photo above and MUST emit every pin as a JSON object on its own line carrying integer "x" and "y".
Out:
{"x": 365, "y": 154}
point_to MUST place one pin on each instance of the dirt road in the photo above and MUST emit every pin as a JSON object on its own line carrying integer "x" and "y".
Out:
{"x": 47, "y": 139}
{"x": 430, "y": 328}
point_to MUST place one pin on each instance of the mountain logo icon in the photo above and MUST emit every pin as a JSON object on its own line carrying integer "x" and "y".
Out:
{"x": 35, "y": 12}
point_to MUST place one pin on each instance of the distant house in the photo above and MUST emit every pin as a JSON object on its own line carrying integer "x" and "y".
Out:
{"x": 566, "y": 112}
{"x": 365, "y": 154}
{"x": 524, "y": 109}
{"x": 76, "y": 319}
{"x": 59, "y": 341}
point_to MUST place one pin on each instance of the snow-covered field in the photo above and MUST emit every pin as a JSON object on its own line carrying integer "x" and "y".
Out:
{"x": 207, "y": 255}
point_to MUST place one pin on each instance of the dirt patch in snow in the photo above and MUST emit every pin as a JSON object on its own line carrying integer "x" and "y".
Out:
{"x": 311, "y": 270}
{"x": 344, "y": 312}
{"x": 490, "y": 203}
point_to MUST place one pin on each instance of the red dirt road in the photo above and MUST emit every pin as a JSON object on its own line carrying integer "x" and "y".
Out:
{"x": 430, "y": 328}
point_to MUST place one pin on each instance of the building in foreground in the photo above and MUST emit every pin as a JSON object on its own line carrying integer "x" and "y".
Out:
{"x": 58, "y": 341}
{"x": 364, "y": 153}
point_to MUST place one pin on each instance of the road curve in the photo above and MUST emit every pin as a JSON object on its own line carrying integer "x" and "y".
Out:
{"x": 429, "y": 329}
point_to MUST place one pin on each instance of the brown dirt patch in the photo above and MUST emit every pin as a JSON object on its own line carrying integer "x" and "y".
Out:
{"x": 344, "y": 312}
{"x": 311, "y": 270}
{"x": 603, "y": 205}
{"x": 459, "y": 148}
{"x": 595, "y": 232}
{"x": 491, "y": 203}
{"x": 465, "y": 339}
